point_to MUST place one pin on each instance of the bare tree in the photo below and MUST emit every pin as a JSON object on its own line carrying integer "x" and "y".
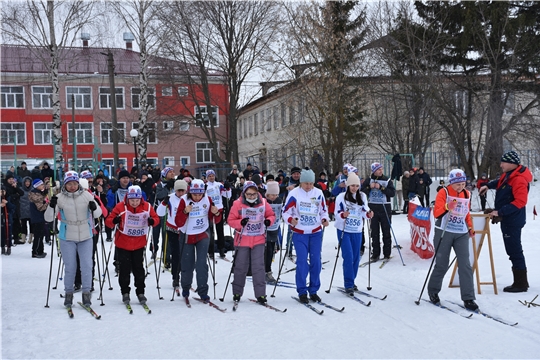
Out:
{"x": 51, "y": 26}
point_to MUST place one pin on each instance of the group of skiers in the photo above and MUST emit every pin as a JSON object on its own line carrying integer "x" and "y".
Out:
{"x": 188, "y": 213}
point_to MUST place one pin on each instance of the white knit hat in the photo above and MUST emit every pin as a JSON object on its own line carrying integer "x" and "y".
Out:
{"x": 352, "y": 179}
{"x": 272, "y": 188}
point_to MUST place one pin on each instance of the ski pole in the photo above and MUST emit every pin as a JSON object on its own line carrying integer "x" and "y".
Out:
{"x": 392, "y": 229}
{"x": 212, "y": 272}
{"x": 60, "y": 262}
{"x": 337, "y": 256}
{"x": 281, "y": 265}
{"x": 368, "y": 223}
{"x": 50, "y": 267}
{"x": 232, "y": 266}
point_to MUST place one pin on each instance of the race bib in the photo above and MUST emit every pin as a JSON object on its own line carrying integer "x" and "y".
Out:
{"x": 255, "y": 226}
{"x": 276, "y": 208}
{"x": 376, "y": 196}
{"x": 309, "y": 212}
{"x": 135, "y": 224}
{"x": 214, "y": 194}
{"x": 354, "y": 222}
{"x": 454, "y": 220}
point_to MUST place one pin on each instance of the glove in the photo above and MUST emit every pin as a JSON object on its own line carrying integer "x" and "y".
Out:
{"x": 116, "y": 219}
{"x": 244, "y": 222}
{"x": 227, "y": 185}
{"x": 170, "y": 184}
{"x": 451, "y": 205}
{"x": 471, "y": 233}
{"x": 166, "y": 201}
{"x": 92, "y": 206}
{"x": 151, "y": 221}
{"x": 267, "y": 223}
{"x": 53, "y": 201}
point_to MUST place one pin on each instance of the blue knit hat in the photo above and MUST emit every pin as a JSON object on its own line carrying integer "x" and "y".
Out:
{"x": 375, "y": 166}
{"x": 36, "y": 183}
{"x": 210, "y": 172}
{"x": 510, "y": 157}
{"x": 134, "y": 192}
{"x": 165, "y": 171}
{"x": 457, "y": 176}
{"x": 71, "y": 176}
{"x": 249, "y": 184}
{"x": 307, "y": 176}
{"x": 86, "y": 174}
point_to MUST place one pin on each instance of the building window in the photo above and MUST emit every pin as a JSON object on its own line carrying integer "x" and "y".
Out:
{"x": 168, "y": 125}
{"x": 43, "y": 133}
{"x": 152, "y": 126}
{"x": 276, "y": 119}
{"x": 256, "y": 124}
{"x": 105, "y": 98}
{"x": 106, "y": 130}
{"x": 185, "y": 161}
{"x": 246, "y": 121}
{"x": 166, "y": 91}
{"x": 168, "y": 160}
{"x": 291, "y": 114}
{"x": 11, "y": 132}
{"x": 204, "y": 153}
{"x": 510, "y": 103}
{"x": 42, "y": 97}
{"x": 203, "y": 116}
{"x": 83, "y": 131}
{"x": 239, "y": 128}
{"x": 184, "y": 125}
{"x": 12, "y": 97}
{"x": 268, "y": 119}
{"x": 301, "y": 110}
{"x": 283, "y": 115}
{"x": 83, "y": 97}
{"x": 136, "y": 98}
{"x": 183, "y": 91}
{"x": 250, "y": 125}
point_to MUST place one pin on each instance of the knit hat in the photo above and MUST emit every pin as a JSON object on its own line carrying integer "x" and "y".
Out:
{"x": 352, "y": 179}
{"x": 86, "y": 174}
{"x": 235, "y": 167}
{"x": 307, "y": 176}
{"x": 457, "y": 176}
{"x": 256, "y": 179}
{"x": 210, "y": 172}
{"x": 72, "y": 176}
{"x": 123, "y": 173}
{"x": 352, "y": 169}
{"x": 375, "y": 166}
{"x": 249, "y": 184}
{"x": 165, "y": 171}
{"x": 36, "y": 183}
{"x": 272, "y": 188}
{"x": 180, "y": 185}
{"x": 196, "y": 187}
{"x": 134, "y": 192}
{"x": 510, "y": 157}
{"x": 269, "y": 177}
{"x": 346, "y": 166}
{"x": 295, "y": 170}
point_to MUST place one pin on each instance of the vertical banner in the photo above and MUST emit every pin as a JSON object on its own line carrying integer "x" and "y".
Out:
{"x": 419, "y": 218}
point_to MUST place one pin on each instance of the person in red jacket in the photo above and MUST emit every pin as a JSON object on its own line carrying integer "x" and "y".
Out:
{"x": 250, "y": 215}
{"x": 132, "y": 217}
{"x": 453, "y": 229}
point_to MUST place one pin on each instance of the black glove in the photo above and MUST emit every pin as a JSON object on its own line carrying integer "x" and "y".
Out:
{"x": 53, "y": 202}
{"x": 267, "y": 223}
{"x": 227, "y": 185}
{"x": 244, "y": 222}
{"x": 166, "y": 201}
{"x": 116, "y": 219}
{"x": 170, "y": 184}
{"x": 92, "y": 206}
{"x": 151, "y": 221}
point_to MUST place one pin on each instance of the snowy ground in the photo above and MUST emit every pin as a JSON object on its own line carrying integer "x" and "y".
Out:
{"x": 393, "y": 328}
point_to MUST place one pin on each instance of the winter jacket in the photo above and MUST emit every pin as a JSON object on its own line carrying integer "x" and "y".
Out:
{"x": 38, "y": 205}
{"x": 76, "y": 219}
{"x": 481, "y": 182}
{"x": 181, "y": 218}
{"x": 405, "y": 185}
{"x": 24, "y": 201}
{"x": 125, "y": 241}
{"x": 308, "y": 207}
{"x": 389, "y": 191}
{"x": 47, "y": 171}
{"x": 511, "y": 196}
{"x": 114, "y": 193}
{"x": 354, "y": 223}
{"x": 255, "y": 224}
{"x": 440, "y": 208}
{"x": 36, "y": 174}
{"x": 23, "y": 173}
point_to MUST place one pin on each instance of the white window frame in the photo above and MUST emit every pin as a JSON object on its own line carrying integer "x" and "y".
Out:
{"x": 151, "y": 97}
{"x": 276, "y": 117}
{"x": 183, "y": 91}
{"x": 255, "y": 124}
{"x": 42, "y": 97}
{"x": 104, "y": 93}
{"x": 14, "y": 97}
{"x": 183, "y": 126}
{"x": 188, "y": 160}
{"x": 246, "y": 123}
{"x": 3, "y": 129}
{"x": 168, "y": 125}
{"x": 78, "y": 130}
{"x": 204, "y": 115}
{"x": 121, "y": 137}
{"x": 49, "y": 128}
{"x": 269, "y": 119}
{"x": 205, "y": 150}
{"x": 283, "y": 114}
{"x": 166, "y": 91}
{"x": 135, "y": 125}
{"x": 79, "y": 97}
{"x": 250, "y": 126}
{"x": 168, "y": 160}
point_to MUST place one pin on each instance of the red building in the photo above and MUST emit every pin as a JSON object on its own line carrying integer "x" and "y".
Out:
{"x": 175, "y": 136}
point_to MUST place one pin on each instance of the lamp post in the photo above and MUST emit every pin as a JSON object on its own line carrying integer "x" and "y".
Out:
{"x": 134, "y": 134}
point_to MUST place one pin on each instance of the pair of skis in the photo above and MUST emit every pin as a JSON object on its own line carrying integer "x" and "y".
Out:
{"x": 319, "y": 311}
{"x": 468, "y": 316}
{"x": 86, "y": 307}
{"x": 145, "y": 307}
{"x": 384, "y": 262}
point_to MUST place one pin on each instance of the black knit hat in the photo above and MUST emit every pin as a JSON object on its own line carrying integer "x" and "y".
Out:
{"x": 510, "y": 157}
{"x": 295, "y": 170}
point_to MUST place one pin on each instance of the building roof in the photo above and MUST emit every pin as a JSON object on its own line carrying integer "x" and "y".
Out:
{"x": 89, "y": 60}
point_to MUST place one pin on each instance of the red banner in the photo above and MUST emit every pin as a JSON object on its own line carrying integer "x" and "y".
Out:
{"x": 419, "y": 218}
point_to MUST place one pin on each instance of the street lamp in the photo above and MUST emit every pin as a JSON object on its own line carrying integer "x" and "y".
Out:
{"x": 134, "y": 133}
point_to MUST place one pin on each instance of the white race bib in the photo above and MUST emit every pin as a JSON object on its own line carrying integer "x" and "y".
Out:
{"x": 136, "y": 224}
{"x": 255, "y": 226}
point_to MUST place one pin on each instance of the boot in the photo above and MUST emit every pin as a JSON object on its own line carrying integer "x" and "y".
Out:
{"x": 142, "y": 299}
{"x": 270, "y": 278}
{"x": 68, "y": 299}
{"x": 3, "y": 250}
{"x": 8, "y": 251}
{"x": 86, "y": 296}
{"x": 30, "y": 238}
{"x": 125, "y": 298}
{"x": 520, "y": 281}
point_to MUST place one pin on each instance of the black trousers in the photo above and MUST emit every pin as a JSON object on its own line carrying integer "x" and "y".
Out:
{"x": 39, "y": 237}
{"x": 381, "y": 221}
{"x": 131, "y": 262}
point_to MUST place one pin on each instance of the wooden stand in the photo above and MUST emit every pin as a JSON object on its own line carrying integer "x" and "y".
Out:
{"x": 481, "y": 228}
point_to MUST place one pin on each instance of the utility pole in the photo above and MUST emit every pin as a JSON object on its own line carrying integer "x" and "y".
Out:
{"x": 110, "y": 63}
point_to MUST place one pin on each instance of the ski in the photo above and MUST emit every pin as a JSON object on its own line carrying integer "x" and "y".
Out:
{"x": 479, "y": 312}
{"x": 235, "y": 306}
{"x": 280, "y": 283}
{"x": 211, "y": 304}
{"x": 368, "y": 294}
{"x": 354, "y": 297}
{"x": 69, "y": 311}
{"x": 146, "y": 308}
{"x": 90, "y": 310}
{"x": 439, "y": 305}
{"x": 330, "y": 306}
{"x": 309, "y": 306}
{"x": 364, "y": 264}
{"x": 128, "y": 308}
{"x": 384, "y": 262}
{"x": 268, "y": 306}
{"x": 188, "y": 304}
{"x": 293, "y": 269}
